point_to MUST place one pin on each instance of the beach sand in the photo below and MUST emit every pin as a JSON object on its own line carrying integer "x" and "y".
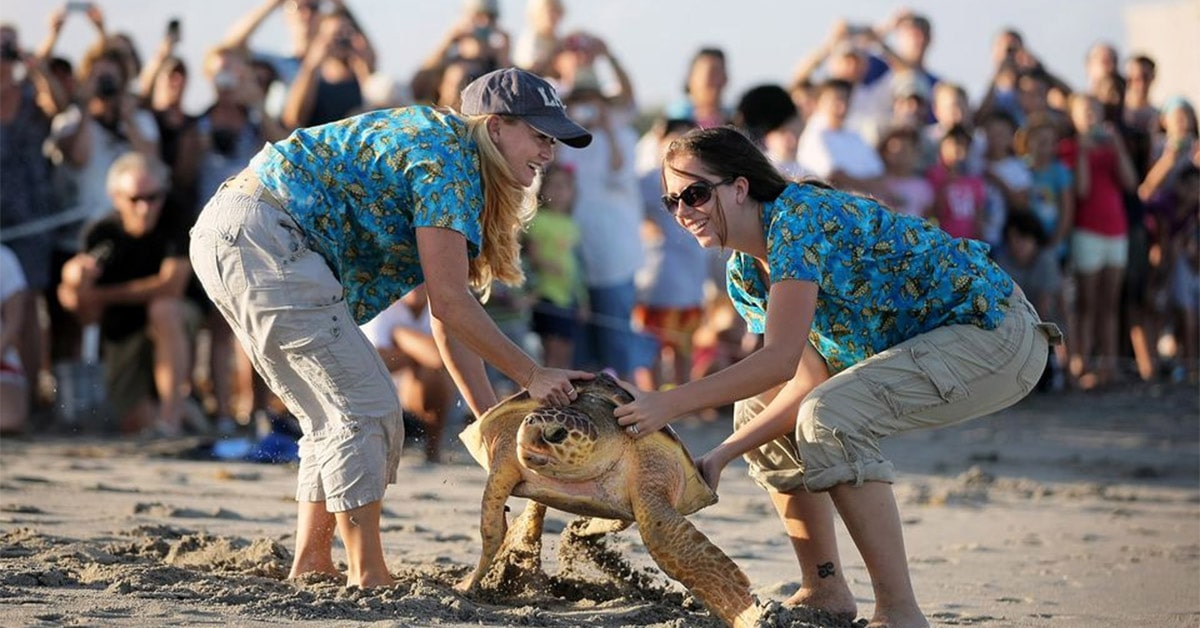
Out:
{"x": 1070, "y": 510}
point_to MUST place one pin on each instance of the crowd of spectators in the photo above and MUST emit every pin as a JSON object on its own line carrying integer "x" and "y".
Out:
{"x": 1088, "y": 195}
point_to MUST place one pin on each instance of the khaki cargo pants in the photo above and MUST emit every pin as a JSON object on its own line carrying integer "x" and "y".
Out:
{"x": 941, "y": 377}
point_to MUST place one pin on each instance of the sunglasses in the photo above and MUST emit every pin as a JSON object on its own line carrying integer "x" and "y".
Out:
{"x": 693, "y": 195}
{"x": 149, "y": 199}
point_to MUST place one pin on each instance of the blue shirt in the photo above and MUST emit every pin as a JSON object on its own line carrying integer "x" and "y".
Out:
{"x": 360, "y": 187}
{"x": 883, "y": 277}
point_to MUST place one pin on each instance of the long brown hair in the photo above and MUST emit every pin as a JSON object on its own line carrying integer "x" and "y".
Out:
{"x": 507, "y": 209}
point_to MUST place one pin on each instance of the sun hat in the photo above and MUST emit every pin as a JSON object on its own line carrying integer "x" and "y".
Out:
{"x": 514, "y": 92}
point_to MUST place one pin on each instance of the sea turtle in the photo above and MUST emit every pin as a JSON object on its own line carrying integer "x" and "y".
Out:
{"x": 578, "y": 459}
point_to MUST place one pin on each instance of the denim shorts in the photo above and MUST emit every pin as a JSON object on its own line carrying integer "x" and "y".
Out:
{"x": 286, "y": 308}
{"x": 1091, "y": 252}
{"x": 944, "y": 376}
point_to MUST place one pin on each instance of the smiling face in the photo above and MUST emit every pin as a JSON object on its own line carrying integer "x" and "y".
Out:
{"x": 705, "y": 221}
{"x": 525, "y": 149}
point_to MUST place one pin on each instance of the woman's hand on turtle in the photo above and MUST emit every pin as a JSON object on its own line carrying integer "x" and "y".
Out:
{"x": 648, "y": 412}
{"x": 553, "y": 386}
{"x": 711, "y": 466}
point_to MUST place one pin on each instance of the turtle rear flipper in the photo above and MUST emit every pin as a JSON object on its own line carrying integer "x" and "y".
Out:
{"x": 685, "y": 554}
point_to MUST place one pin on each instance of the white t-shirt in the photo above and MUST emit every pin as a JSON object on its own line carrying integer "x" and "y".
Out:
{"x": 822, "y": 151}
{"x": 12, "y": 281}
{"x": 1015, "y": 174}
{"x": 398, "y": 315}
{"x": 608, "y": 204}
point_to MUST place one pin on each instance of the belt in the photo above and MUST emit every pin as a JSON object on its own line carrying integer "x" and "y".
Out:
{"x": 246, "y": 182}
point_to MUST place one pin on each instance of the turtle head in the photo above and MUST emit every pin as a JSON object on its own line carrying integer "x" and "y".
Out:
{"x": 566, "y": 444}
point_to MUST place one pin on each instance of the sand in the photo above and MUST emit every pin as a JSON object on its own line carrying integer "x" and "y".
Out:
{"x": 1075, "y": 510}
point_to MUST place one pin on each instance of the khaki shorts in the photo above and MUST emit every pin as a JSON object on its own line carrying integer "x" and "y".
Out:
{"x": 286, "y": 307}
{"x": 941, "y": 377}
{"x": 129, "y": 363}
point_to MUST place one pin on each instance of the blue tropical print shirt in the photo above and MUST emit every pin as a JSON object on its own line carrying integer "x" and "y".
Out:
{"x": 360, "y": 187}
{"x": 883, "y": 277}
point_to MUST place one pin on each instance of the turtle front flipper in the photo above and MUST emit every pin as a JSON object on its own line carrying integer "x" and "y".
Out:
{"x": 685, "y": 554}
{"x": 517, "y": 567}
{"x": 504, "y": 475}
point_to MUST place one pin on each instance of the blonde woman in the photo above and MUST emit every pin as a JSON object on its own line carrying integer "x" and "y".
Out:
{"x": 330, "y": 226}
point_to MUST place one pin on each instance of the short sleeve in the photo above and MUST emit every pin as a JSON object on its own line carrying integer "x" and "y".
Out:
{"x": 446, "y": 189}
{"x": 796, "y": 242}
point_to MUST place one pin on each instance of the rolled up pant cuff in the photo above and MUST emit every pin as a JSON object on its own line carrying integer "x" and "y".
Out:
{"x": 818, "y": 480}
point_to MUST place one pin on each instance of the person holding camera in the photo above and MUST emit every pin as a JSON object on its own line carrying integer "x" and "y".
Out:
{"x": 1103, "y": 172}
{"x": 87, "y": 138}
{"x": 608, "y": 204}
{"x": 328, "y": 86}
{"x": 474, "y": 46}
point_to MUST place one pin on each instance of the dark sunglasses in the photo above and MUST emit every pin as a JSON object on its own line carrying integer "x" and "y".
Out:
{"x": 693, "y": 195}
{"x": 149, "y": 199}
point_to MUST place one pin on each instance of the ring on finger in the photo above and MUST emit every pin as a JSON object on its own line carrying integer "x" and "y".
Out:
{"x": 633, "y": 429}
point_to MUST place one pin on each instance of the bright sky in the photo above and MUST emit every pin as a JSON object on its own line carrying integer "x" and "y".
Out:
{"x": 762, "y": 39}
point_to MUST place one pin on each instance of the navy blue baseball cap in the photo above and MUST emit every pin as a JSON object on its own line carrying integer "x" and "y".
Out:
{"x": 514, "y": 92}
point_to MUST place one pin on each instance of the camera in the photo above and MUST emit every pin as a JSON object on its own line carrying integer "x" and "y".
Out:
{"x": 173, "y": 28}
{"x": 107, "y": 86}
{"x": 9, "y": 51}
{"x": 343, "y": 42}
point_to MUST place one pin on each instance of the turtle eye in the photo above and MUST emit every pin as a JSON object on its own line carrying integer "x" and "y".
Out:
{"x": 554, "y": 434}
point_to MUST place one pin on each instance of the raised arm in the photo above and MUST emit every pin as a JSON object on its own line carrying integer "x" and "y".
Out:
{"x": 150, "y": 70}
{"x": 239, "y": 33}
{"x": 302, "y": 95}
{"x": 811, "y": 62}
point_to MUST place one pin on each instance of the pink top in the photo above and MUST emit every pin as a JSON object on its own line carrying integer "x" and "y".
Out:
{"x": 959, "y": 201}
{"x": 1102, "y": 211}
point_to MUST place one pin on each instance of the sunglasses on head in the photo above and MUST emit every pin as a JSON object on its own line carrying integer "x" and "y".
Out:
{"x": 694, "y": 195}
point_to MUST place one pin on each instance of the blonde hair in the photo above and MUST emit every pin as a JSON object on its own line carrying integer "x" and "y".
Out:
{"x": 507, "y": 209}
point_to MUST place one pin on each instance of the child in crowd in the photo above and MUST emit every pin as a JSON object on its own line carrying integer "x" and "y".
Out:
{"x": 552, "y": 244}
{"x": 1028, "y": 259}
{"x": 670, "y": 304}
{"x": 1006, "y": 175}
{"x": 1052, "y": 195}
{"x": 1175, "y": 216}
{"x": 1099, "y": 242}
{"x": 910, "y": 193}
{"x": 959, "y": 196}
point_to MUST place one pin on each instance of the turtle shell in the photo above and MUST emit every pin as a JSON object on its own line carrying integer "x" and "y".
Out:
{"x": 596, "y": 398}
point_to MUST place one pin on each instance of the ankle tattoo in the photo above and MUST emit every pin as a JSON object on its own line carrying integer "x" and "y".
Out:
{"x": 826, "y": 570}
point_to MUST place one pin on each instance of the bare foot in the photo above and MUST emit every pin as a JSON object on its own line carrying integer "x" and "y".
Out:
{"x": 839, "y": 603}
{"x": 302, "y": 568}
{"x": 370, "y": 581}
{"x": 898, "y": 619}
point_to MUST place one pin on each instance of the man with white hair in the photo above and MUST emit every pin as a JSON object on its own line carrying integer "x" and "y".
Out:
{"x": 132, "y": 277}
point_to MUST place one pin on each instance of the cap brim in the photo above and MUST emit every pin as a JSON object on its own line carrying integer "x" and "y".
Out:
{"x": 561, "y": 128}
